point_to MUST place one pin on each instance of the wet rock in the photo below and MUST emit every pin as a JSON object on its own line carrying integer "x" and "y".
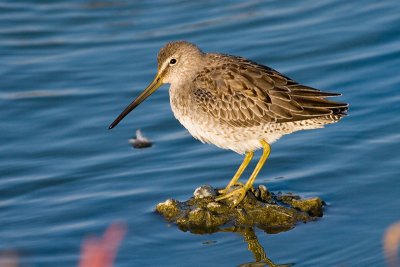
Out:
{"x": 204, "y": 191}
{"x": 313, "y": 206}
{"x": 261, "y": 208}
{"x": 265, "y": 195}
{"x": 170, "y": 209}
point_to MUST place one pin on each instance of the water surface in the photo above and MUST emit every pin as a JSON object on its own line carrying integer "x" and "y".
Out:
{"x": 69, "y": 67}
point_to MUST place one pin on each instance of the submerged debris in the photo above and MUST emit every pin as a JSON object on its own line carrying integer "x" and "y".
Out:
{"x": 261, "y": 208}
{"x": 140, "y": 141}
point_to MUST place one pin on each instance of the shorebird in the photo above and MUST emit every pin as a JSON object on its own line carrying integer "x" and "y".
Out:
{"x": 237, "y": 104}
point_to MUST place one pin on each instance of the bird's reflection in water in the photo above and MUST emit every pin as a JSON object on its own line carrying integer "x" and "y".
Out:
{"x": 254, "y": 246}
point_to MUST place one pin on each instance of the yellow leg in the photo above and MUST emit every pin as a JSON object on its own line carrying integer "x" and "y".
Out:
{"x": 260, "y": 164}
{"x": 246, "y": 161}
{"x": 242, "y": 191}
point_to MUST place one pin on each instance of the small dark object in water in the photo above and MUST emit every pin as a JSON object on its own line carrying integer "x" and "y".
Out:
{"x": 140, "y": 141}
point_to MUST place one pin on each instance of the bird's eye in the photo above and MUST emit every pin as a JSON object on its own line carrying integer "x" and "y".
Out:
{"x": 172, "y": 61}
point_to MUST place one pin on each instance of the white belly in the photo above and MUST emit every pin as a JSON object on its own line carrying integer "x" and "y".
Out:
{"x": 207, "y": 129}
{"x": 240, "y": 140}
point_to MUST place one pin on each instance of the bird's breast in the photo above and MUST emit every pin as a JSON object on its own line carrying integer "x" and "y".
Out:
{"x": 204, "y": 127}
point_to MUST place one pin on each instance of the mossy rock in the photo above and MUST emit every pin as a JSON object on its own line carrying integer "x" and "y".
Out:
{"x": 260, "y": 208}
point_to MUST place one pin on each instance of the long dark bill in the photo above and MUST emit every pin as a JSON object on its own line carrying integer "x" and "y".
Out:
{"x": 155, "y": 84}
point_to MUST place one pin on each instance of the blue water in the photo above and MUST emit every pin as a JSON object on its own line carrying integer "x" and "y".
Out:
{"x": 68, "y": 68}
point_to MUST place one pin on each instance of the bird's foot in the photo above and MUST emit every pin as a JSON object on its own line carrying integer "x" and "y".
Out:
{"x": 228, "y": 188}
{"x": 239, "y": 195}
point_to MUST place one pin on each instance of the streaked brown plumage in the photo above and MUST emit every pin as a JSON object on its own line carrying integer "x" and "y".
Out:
{"x": 235, "y": 103}
{"x": 242, "y": 93}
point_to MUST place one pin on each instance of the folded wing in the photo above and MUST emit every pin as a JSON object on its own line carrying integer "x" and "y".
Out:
{"x": 242, "y": 93}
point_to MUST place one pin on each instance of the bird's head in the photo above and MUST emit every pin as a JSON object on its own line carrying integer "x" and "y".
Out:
{"x": 176, "y": 61}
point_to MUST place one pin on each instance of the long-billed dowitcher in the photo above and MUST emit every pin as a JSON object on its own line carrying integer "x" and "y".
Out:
{"x": 236, "y": 104}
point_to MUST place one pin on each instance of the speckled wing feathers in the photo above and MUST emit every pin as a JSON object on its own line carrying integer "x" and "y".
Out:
{"x": 242, "y": 93}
